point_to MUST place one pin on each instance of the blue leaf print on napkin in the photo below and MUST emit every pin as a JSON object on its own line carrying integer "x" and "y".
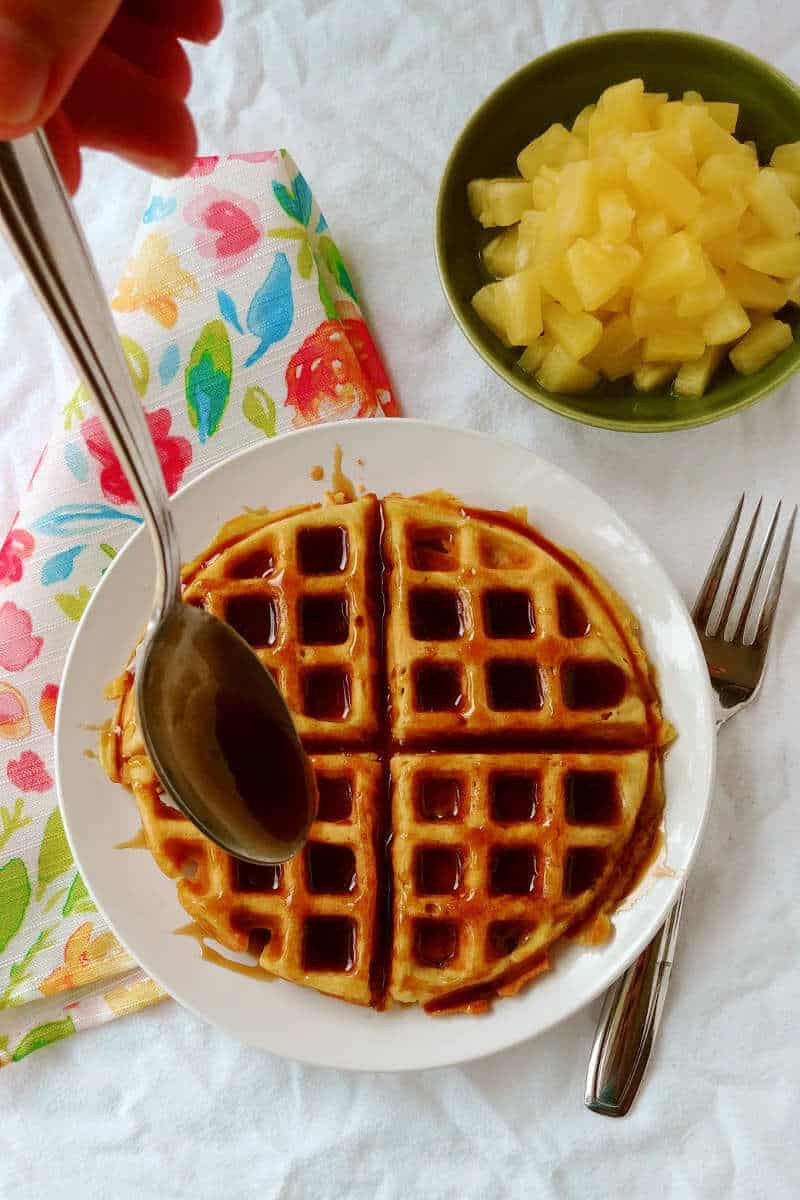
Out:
{"x": 227, "y": 306}
{"x": 69, "y": 519}
{"x": 168, "y": 366}
{"x": 158, "y": 208}
{"x": 77, "y": 461}
{"x": 322, "y": 224}
{"x": 59, "y": 567}
{"x": 271, "y": 310}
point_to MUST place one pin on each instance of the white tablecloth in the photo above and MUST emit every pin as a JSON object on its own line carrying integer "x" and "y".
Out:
{"x": 370, "y": 96}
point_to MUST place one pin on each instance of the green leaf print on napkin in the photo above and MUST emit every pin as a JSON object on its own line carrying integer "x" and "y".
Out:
{"x": 259, "y": 410}
{"x": 208, "y": 379}
{"x": 72, "y": 604}
{"x": 43, "y": 1035}
{"x": 305, "y": 261}
{"x": 78, "y": 899}
{"x": 15, "y": 892}
{"x": 18, "y": 972}
{"x": 138, "y": 363}
{"x": 335, "y": 264}
{"x": 12, "y": 821}
{"x": 55, "y": 856}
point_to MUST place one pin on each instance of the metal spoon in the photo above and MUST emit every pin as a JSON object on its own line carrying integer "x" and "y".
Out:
{"x": 216, "y": 727}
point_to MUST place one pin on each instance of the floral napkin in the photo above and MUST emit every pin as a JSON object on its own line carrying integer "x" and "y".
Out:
{"x": 239, "y": 320}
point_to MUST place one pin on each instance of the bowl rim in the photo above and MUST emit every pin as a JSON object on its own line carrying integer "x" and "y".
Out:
{"x": 552, "y": 400}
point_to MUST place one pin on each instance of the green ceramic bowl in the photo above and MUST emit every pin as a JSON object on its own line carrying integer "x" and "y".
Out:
{"x": 555, "y": 88}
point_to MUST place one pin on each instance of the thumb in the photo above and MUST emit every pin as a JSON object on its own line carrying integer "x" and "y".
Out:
{"x": 43, "y": 45}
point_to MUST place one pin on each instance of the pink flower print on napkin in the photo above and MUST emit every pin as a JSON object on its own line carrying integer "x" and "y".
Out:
{"x": 229, "y": 226}
{"x": 174, "y": 453}
{"x": 28, "y": 773}
{"x": 18, "y": 646}
{"x": 17, "y": 546}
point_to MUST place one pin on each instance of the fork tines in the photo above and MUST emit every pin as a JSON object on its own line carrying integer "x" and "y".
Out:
{"x": 710, "y": 590}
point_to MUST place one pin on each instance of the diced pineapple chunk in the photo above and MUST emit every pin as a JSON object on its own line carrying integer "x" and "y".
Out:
{"x": 520, "y": 303}
{"x": 650, "y": 376}
{"x": 616, "y": 215}
{"x": 707, "y": 136}
{"x": 610, "y": 171}
{"x": 487, "y": 306}
{"x": 786, "y": 157}
{"x": 727, "y": 323}
{"x": 790, "y": 181}
{"x": 755, "y": 290}
{"x": 721, "y": 172}
{"x": 771, "y": 203}
{"x": 528, "y": 231}
{"x": 498, "y": 201}
{"x": 762, "y": 344}
{"x": 724, "y": 113}
{"x": 693, "y": 378}
{"x": 500, "y": 254}
{"x": 673, "y": 347}
{"x": 535, "y": 354}
{"x": 794, "y": 291}
{"x": 543, "y": 192}
{"x": 578, "y": 333}
{"x": 774, "y": 256}
{"x": 725, "y": 251}
{"x": 671, "y": 266}
{"x": 662, "y": 186}
{"x": 658, "y": 316}
{"x": 623, "y": 106}
{"x": 575, "y": 208}
{"x": 557, "y": 282}
{"x": 692, "y": 97}
{"x": 580, "y": 125}
{"x": 672, "y": 140}
{"x": 651, "y": 227}
{"x": 616, "y": 354}
{"x": 719, "y": 216}
{"x": 598, "y": 269}
{"x": 560, "y": 372}
{"x": 701, "y": 299}
{"x": 553, "y": 148}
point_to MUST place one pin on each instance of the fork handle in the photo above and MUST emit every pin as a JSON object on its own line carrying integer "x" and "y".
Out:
{"x": 628, "y": 1023}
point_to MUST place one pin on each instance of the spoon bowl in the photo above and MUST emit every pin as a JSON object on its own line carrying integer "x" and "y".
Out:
{"x": 221, "y": 739}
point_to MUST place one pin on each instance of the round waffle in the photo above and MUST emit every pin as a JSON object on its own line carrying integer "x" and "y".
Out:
{"x": 484, "y": 730}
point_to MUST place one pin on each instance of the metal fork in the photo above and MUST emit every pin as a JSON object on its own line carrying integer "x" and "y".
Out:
{"x": 632, "y": 1009}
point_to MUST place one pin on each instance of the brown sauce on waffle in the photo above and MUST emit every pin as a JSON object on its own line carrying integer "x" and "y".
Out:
{"x": 551, "y": 825}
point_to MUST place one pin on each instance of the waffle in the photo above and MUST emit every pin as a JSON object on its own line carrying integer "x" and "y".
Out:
{"x": 485, "y": 734}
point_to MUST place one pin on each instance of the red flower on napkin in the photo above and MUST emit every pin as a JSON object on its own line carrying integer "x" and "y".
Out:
{"x": 174, "y": 453}
{"x": 28, "y": 773}
{"x": 337, "y": 373}
{"x": 18, "y": 545}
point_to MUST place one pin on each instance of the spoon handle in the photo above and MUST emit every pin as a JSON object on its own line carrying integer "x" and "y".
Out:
{"x": 43, "y": 229}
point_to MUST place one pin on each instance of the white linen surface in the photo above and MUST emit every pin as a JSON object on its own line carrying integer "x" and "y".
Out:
{"x": 369, "y": 97}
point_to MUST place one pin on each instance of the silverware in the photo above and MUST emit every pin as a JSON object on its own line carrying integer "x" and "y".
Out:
{"x": 215, "y": 725}
{"x": 632, "y": 1009}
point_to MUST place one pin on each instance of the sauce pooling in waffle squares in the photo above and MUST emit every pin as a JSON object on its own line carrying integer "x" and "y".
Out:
{"x": 485, "y": 733}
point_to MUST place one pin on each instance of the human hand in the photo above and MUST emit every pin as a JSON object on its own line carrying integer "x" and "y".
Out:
{"x": 109, "y": 74}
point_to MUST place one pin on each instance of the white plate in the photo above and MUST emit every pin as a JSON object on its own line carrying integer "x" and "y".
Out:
{"x": 141, "y": 904}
